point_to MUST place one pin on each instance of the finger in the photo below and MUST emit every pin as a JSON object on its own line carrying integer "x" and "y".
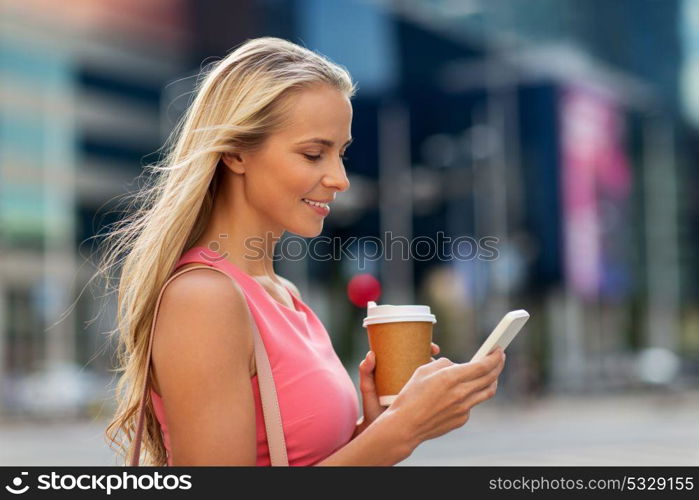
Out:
{"x": 496, "y": 354}
{"x": 467, "y": 372}
{"x": 482, "y": 383}
{"x": 476, "y": 385}
{"x": 493, "y": 374}
{"x": 435, "y": 365}
{"x": 479, "y": 384}
{"x": 367, "y": 386}
{"x": 483, "y": 395}
{"x": 369, "y": 362}
{"x": 435, "y": 348}
{"x": 366, "y": 372}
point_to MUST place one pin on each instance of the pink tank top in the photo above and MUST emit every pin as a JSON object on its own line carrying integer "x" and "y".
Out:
{"x": 317, "y": 399}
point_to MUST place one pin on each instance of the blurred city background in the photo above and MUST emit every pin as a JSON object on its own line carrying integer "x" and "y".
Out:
{"x": 567, "y": 129}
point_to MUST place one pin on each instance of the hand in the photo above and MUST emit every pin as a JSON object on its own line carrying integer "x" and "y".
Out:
{"x": 367, "y": 386}
{"x": 439, "y": 396}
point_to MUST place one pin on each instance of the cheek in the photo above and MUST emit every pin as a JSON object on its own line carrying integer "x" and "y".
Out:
{"x": 297, "y": 180}
{"x": 284, "y": 185}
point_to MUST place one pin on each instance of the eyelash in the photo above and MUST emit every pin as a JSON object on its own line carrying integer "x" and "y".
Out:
{"x": 316, "y": 158}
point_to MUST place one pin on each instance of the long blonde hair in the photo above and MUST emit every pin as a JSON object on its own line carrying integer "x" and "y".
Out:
{"x": 239, "y": 101}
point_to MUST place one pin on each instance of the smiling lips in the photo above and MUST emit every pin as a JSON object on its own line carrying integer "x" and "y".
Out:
{"x": 320, "y": 207}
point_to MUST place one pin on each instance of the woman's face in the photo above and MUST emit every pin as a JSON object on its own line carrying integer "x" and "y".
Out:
{"x": 301, "y": 163}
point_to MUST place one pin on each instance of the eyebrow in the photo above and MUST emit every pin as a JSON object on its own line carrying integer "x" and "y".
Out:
{"x": 324, "y": 142}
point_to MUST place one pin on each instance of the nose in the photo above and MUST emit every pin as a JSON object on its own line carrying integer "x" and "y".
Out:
{"x": 337, "y": 178}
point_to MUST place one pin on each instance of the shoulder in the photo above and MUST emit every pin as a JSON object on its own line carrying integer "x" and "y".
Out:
{"x": 207, "y": 285}
{"x": 291, "y": 286}
{"x": 204, "y": 294}
{"x": 197, "y": 311}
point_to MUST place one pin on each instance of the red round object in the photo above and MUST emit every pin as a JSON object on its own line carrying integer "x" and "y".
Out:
{"x": 362, "y": 288}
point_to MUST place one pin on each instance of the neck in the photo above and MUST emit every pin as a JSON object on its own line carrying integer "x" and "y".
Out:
{"x": 240, "y": 233}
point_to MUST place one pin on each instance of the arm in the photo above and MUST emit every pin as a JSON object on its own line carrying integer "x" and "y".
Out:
{"x": 359, "y": 428}
{"x": 202, "y": 367}
{"x": 381, "y": 443}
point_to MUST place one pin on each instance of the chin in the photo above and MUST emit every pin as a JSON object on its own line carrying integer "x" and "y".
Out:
{"x": 306, "y": 231}
{"x": 310, "y": 233}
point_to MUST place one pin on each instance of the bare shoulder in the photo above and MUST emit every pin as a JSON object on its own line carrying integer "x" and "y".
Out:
{"x": 203, "y": 291}
{"x": 202, "y": 311}
{"x": 206, "y": 279}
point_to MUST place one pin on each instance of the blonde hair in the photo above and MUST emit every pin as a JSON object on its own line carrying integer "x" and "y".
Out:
{"x": 239, "y": 101}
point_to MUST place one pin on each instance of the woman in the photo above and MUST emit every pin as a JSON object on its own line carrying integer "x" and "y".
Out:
{"x": 259, "y": 152}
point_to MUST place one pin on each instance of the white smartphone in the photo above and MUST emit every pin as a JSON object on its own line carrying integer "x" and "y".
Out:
{"x": 502, "y": 335}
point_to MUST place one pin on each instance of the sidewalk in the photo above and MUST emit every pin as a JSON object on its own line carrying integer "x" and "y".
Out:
{"x": 599, "y": 430}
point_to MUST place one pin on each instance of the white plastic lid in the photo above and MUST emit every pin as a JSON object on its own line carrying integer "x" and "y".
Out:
{"x": 392, "y": 314}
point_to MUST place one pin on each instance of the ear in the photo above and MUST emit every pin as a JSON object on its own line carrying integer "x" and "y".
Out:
{"x": 234, "y": 162}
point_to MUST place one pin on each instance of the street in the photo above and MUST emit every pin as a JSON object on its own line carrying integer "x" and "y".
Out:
{"x": 600, "y": 430}
{"x": 610, "y": 430}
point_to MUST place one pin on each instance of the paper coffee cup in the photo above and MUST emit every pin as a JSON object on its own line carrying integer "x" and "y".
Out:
{"x": 401, "y": 338}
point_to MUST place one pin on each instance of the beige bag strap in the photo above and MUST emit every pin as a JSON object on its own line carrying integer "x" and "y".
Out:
{"x": 268, "y": 392}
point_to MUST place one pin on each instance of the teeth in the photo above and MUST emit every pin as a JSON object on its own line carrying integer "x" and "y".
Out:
{"x": 315, "y": 203}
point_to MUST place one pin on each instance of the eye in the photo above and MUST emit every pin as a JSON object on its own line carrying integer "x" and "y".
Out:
{"x": 316, "y": 158}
